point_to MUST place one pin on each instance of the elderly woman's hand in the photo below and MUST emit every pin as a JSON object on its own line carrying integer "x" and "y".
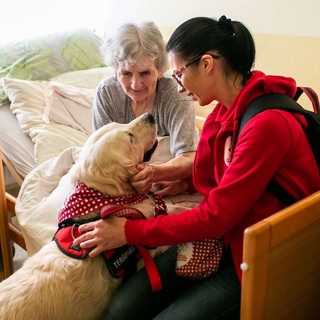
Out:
{"x": 170, "y": 188}
{"x": 143, "y": 180}
{"x": 103, "y": 234}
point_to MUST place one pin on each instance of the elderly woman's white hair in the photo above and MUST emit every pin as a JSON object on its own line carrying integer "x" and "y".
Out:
{"x": 134, "y": 44}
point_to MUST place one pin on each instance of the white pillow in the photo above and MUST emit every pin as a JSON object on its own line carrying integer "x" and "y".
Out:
{"x": 88, "y": 78}
{"x": 69, "y": 98}
{"x": 69, "y": 105}
{"x": 28, "y": 97}
{"x": 28, "y": 104}
{"x": 27, "y": 101}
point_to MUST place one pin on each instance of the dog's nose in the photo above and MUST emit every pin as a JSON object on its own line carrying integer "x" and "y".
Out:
{"x": 148, "y": 117}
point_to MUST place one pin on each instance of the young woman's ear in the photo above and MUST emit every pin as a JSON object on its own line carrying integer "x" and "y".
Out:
{"x": 208, "y": 62}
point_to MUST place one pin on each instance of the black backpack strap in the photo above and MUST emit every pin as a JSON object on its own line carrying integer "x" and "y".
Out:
{"x": 284, "y": 102}
{"x": 280, "y": 193}
{"x": 271, "y": 101}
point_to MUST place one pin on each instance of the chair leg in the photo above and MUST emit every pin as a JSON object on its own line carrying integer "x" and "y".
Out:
{"x": 6, "y": 247}
{"x": 6, "y": 257}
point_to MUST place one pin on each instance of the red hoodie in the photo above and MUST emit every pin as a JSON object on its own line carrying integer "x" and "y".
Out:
{"x": 272, "y": 144}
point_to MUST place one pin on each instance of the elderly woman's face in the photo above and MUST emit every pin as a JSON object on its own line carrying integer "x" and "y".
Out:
{"x": 138, "y": 81}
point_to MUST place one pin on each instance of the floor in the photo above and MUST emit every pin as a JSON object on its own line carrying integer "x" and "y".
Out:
{"x": 19, "y": 257}
{"x": 20, "y": 254}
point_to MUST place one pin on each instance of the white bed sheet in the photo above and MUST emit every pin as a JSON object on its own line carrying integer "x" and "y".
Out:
{"x": 41, "y": 196}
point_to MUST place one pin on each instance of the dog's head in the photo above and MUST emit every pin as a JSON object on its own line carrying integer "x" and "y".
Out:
{"x": 109, "y": 157}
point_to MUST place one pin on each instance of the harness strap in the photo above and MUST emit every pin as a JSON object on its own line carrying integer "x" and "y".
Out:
{"x": 151, "y": 269}
{"x": 64, "y": 239}
{"x": 133, "y": 213}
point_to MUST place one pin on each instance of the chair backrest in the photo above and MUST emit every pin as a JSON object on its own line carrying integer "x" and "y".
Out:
{"x": 281, "y": 264}
{"x": 200, "y": 122}
{"x": 9, "y": 232}
{"x": 6, "y": 254}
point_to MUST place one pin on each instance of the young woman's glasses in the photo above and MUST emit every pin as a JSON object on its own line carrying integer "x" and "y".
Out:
{"x": 177, "y": 74}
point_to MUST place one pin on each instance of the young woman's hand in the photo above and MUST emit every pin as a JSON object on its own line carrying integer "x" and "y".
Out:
{"x": 103, "y": 234}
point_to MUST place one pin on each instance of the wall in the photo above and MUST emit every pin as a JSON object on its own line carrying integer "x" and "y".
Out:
{"x": 287, "y": 32}
{"x": 284, "y": 17}
{"x": 287, "y": 55}
{"x": 287, "y": 17}
{"x": 296, "y": 57}
{"x": 292, "y": 56}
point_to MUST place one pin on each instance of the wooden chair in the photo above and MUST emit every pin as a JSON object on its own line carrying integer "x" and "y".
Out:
{"x": 9, "y": 233}
{"x": 281, "y": 277}
{"x": 200, "y": 122}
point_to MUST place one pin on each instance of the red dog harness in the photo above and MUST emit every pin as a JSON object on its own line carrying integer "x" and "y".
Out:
{"x": 121, "y": 261}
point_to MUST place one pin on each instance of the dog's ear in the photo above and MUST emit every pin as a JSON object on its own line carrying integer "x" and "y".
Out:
{"x": 73, "y": 174}
{"x": 107, "y": 167}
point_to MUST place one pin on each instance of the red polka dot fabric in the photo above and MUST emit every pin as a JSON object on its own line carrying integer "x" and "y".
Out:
{"x": 199, "y": 259}
{"x": 84, "y": 200}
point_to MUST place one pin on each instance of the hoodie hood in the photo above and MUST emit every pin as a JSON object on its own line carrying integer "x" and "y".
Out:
{"x": 222, "y": 122}
{"x": 257, "y": 85}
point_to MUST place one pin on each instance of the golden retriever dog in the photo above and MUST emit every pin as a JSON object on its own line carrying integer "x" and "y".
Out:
{"x": 53, "y": 286}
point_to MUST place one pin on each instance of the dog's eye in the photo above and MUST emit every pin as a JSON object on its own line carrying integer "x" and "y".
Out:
{"x": 131, "y": 136}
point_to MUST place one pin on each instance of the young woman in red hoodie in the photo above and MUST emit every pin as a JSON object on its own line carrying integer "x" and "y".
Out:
{"x": 213, "y": 60}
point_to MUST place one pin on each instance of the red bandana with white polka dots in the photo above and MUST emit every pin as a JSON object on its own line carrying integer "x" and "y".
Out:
{"x": 84, "y": 200}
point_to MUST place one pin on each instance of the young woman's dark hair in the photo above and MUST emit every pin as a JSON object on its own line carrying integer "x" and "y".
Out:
{"x": 231, "y": 40}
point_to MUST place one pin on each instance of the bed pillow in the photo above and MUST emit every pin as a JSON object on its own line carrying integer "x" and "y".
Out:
{"x": 28, "y": 104}
{"x": 69, "y": 105}
{"x": 27, "y": 101}
{"x": 88, "y": 78}
{"x": 45, "y": 57}
{"x": 28, "y": 97}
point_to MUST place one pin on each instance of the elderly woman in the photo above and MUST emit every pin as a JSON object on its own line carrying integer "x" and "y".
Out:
{"x": 138, "y": 55}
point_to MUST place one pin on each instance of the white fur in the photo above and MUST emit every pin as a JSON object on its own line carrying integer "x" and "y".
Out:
{"x": 53, "y": 286}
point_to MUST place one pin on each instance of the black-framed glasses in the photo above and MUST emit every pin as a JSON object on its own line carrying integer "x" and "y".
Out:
{"x": 177, "y": 74}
